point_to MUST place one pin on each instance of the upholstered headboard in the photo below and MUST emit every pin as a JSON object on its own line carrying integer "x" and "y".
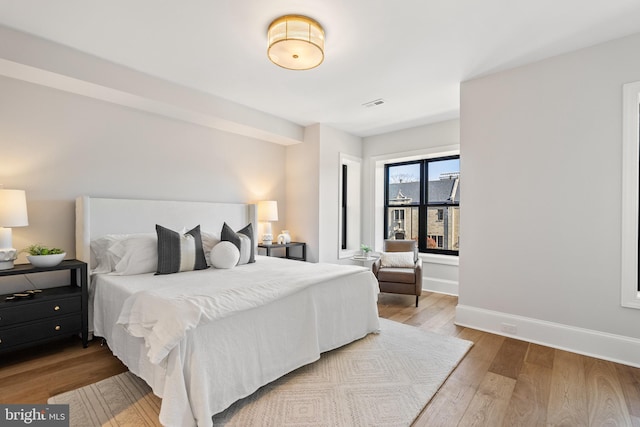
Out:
{"x": 96, "y": 217}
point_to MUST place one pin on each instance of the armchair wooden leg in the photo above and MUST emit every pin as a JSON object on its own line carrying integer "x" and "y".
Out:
{"x": 417, "y": 297}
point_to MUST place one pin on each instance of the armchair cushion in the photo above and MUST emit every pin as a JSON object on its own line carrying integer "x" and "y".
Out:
{"x": 398, "y": 275}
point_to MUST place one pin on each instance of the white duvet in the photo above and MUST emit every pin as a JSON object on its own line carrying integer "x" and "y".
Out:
{"x": 163, "y": 315}
{"x": 205, "y": 339}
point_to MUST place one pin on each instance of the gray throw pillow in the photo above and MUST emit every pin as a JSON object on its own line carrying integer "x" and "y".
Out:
{"x": 243, "y": 239}
{"x": 179, "y": 252}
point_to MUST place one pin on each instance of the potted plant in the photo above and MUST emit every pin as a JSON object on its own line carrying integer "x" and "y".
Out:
{"x": 365, "y": 250}
{"x": 42, "y": 256}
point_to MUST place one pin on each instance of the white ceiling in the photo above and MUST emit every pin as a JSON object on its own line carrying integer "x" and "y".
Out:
{"x": 411, "y": 53}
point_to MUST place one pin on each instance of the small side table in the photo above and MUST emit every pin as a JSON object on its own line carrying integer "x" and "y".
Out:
{"x": 366, "y": 261}
{"x": 287, "y": 246}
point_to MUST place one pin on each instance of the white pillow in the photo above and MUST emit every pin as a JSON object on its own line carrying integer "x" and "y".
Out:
{"x": 209, "y": 240}
{"x": 245, "y": 249}
{"x": 224, "y": 255}
{"x": 102, "y": 259}
{"x": 397, "y": 259}
{"x": 136, "y": 255}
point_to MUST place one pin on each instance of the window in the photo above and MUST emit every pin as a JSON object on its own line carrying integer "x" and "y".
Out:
{"x": 630, "y": 286}
{"x": 349, "y": 206}
{"x": 435, "y": 241}
{"x": 422, "y": 202}
{"x": 343, "y": 207}
{"x": 398, "y": 215}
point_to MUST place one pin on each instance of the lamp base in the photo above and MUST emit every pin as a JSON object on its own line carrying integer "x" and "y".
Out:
{"x": 7, "y": 253}
{"x": 267, "y": 239}
{"x": 7, "y": 256}
{"x": 6, "y": 265}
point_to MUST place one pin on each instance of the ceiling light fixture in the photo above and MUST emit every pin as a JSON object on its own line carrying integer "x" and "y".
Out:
{"x": 296, "y": 42}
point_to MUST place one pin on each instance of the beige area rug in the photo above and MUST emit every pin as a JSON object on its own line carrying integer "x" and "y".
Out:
{"x": 383, "y": 379}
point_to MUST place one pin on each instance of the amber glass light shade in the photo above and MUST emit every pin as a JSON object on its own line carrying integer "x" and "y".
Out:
{"x": 296, "y": 42}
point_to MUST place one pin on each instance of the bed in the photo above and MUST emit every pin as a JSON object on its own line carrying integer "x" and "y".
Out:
{"x": 206, "y": 338}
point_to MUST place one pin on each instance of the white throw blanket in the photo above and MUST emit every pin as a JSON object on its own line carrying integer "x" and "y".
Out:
{"x": 163, "y": 316}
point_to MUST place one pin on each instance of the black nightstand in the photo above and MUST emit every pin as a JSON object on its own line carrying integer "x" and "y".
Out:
{"x": 48, "y": 315}
{"x": 286, "y": 247}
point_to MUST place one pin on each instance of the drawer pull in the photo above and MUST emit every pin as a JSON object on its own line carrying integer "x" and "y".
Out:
{"x": 56, "y": 308}
{"x": 57, "y": 328}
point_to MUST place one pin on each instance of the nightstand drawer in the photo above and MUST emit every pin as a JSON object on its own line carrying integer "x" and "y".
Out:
{"x": 36, "y": 331}
{"x": 53, "y": 312}
{"x": 37, "y": 310}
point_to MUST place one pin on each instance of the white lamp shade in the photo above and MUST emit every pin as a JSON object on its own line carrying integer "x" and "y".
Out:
{"x": 13, "y": 208}
{"x": 268, "y": 210}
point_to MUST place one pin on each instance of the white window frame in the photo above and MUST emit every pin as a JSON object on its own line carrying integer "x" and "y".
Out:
{"x": 354, "y": 168}
{"x": 630, "y": 297}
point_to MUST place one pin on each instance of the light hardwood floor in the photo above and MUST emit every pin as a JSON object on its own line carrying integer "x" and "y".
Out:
{"x": 500, "y": 382}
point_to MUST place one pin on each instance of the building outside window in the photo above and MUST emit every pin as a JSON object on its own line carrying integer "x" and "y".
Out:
{"x": 422, "y": 203}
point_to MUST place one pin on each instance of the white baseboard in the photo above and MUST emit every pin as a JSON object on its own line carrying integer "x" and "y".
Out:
{"x": 602, "y": 345}
{"x": 441, "y": 286}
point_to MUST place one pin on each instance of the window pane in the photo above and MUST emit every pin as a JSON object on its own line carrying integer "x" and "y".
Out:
{"x": 443, "y": 181}
{"x": 454, "y": 228}
{"x": 403, "y": 223}
{"x": 404, "y": 185}
{"x": 443, "y": 228}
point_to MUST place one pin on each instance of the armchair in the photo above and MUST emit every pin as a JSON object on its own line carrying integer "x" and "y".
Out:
{"x": 400, "y": 280}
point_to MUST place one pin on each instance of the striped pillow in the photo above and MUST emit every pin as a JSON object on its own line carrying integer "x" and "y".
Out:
{"x": 243, "y": 239}
{"x": 179, "y": 252}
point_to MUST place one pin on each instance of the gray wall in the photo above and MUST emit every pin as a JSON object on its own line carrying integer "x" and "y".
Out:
{"x": 57, "y": 146}
{"x": 72, "y": 124}
{"x": 541, "y": 158}
{"x": 313, "y": 174}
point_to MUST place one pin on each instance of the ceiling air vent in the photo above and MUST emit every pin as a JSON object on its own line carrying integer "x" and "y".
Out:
{"x": 374, "y": 103}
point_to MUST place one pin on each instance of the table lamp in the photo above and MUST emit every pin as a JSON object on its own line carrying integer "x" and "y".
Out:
{"x": 267, "y": 212}
{"x": 13, "y": 213}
